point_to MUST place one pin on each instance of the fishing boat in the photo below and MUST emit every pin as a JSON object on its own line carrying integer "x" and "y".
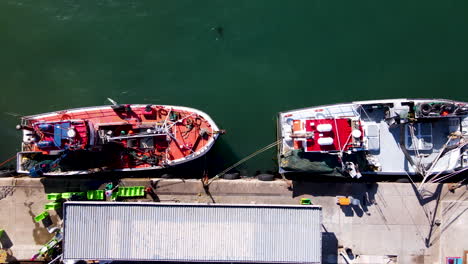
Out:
{"x": 130, "y": 137}
{"x": 425, "y": 137}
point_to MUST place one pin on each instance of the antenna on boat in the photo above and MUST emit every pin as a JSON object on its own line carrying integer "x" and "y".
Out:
{"x": 112, "y": 101}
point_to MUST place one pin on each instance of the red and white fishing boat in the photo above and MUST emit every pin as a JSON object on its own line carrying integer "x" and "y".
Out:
{"x": 427, "y": 137}
{"x": 115, "y": 137}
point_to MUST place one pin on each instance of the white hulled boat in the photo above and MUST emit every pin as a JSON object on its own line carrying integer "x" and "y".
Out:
{"x": 394, "y": 137}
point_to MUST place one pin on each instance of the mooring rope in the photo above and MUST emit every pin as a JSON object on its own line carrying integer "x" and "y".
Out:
{"x": 8, "y": 160}
{"x": 269, "y": 146}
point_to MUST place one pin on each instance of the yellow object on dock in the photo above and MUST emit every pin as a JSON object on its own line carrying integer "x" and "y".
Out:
{"x": 344, "y": 201}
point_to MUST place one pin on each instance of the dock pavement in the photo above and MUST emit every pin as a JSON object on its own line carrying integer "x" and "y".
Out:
{"x": 392, "y": 222}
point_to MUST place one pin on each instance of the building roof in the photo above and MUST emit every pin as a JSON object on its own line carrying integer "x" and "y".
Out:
{"x": 192, "y": 232}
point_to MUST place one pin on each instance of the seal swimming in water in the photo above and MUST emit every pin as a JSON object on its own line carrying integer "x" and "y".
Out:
{"x": 219, "y": 32}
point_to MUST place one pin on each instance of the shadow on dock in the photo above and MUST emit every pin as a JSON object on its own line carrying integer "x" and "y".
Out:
{"x": 329, "y": 247}
{"x": 364, "y": 193}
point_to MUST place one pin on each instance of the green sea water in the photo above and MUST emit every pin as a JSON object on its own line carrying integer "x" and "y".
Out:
{"x": 271, "y": 56}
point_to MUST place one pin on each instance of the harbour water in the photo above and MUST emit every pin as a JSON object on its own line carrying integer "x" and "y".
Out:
{"x": 239, "y": 61}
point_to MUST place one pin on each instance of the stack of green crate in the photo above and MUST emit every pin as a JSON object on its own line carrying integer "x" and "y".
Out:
{"x": 54, "y": 196}
{"x": 134, "y": 191}
{"x": 52, "y": 206}
{"x": 41, "y": 216}
{"x": 95, "y": 195}
{"x": 56, "y": 203}
{"x": 68, "y": 195}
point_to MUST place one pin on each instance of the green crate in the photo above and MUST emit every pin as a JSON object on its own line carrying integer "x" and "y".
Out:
{"x": 41, "y": 216}
{"x": 95, "y": 195}
{"x": 54, "y": 196}
{"x": 114, "y": 196}
{"x": 52, "y": 206}
{"x": 135, "y": 191}
{"x": 306, "y": 201}
{"x": 68, "y": 195}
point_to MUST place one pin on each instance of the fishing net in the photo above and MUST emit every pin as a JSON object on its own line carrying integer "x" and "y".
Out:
{"x": 299, "y": 161}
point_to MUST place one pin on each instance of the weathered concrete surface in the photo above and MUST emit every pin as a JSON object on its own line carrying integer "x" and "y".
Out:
{"x": 390, "y": 219}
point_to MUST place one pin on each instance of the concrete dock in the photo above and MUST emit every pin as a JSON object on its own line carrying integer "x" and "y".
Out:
{"x": 391, "y": 222}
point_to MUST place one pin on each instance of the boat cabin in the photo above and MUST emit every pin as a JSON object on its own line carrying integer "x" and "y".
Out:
{"x": 61, "y": 135}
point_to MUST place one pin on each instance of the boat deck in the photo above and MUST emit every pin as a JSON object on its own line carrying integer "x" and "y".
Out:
{"x": 397, "y": 138}
{"x": 389, "y": 152}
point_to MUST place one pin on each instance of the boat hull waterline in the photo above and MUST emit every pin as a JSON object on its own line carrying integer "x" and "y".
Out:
{"x": 131, "y": 137}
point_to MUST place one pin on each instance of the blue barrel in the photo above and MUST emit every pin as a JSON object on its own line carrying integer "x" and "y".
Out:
{"x": 44, "y": 127}
{"x": 45, "y": 144}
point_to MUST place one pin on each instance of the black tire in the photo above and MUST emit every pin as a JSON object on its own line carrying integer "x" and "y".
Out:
{"x": 265, "y": 177}
{"x": 167, "y": 176}
{"x": 425, "y": 109}
{"x": 231, "y": 176}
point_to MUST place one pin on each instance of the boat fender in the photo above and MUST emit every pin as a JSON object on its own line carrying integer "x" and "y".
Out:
{"x": 231, "y": 176}
{"x": 425, "y": 109}
{"x": 265, "y": 177}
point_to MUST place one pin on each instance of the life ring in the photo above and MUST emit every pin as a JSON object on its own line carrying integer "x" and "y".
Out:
{"x": 65, "y": 117}
{"x": 425, "y": 109}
